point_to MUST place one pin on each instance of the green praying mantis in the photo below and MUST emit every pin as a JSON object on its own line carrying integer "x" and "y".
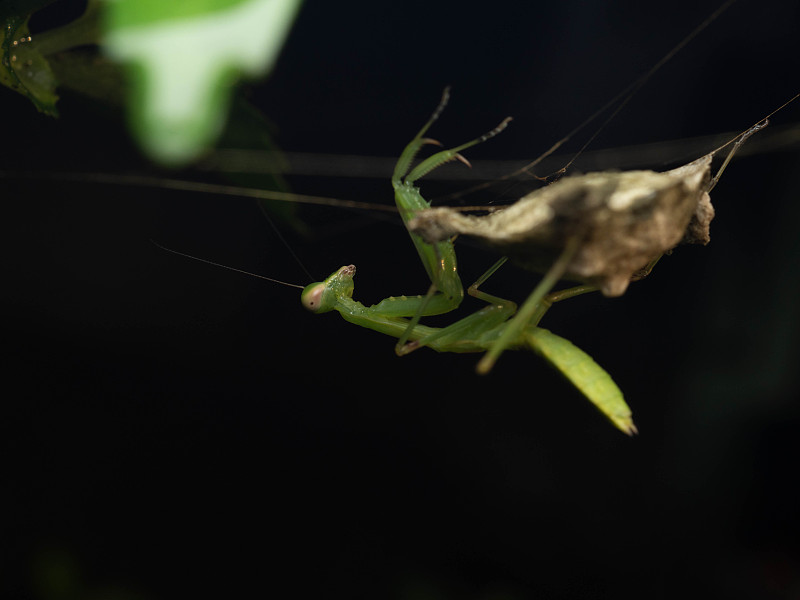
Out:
{"x": 490, "y": 329}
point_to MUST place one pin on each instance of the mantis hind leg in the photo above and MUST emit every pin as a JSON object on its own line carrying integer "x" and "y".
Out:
{"x": 540, "y": 301}
{"x": 579, "y": 290}
{"x": 531, "y": 310}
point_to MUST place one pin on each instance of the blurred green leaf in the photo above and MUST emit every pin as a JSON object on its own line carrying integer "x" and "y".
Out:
{"x": 135, "y": 13}
{"x": 183, "y": 59}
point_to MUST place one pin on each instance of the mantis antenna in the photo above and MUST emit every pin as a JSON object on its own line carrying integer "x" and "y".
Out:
{"x": 215, "y": 264}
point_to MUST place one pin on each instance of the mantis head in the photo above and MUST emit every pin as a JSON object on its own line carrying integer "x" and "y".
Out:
{"x": 322, "y": 296}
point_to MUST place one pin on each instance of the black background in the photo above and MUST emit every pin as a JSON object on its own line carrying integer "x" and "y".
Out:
{"x": 172, "y": 430}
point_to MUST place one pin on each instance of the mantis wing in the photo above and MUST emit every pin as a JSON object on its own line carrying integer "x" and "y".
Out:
{"x": 585, "y": 374}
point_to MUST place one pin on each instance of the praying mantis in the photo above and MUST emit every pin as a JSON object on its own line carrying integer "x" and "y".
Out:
{"x": 478, "y": 332}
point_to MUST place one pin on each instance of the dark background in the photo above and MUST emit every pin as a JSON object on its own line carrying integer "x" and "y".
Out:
{"x": 174, "y": 430}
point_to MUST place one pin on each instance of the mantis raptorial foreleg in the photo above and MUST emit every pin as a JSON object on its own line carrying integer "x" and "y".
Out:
{"x": 439, "y": 259}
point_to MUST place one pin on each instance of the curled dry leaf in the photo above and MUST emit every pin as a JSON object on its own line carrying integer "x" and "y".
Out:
{"x": 623, "y": 220}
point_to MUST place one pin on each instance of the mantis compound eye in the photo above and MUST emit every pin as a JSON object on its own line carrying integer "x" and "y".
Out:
{"x": 312, "y": 296}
